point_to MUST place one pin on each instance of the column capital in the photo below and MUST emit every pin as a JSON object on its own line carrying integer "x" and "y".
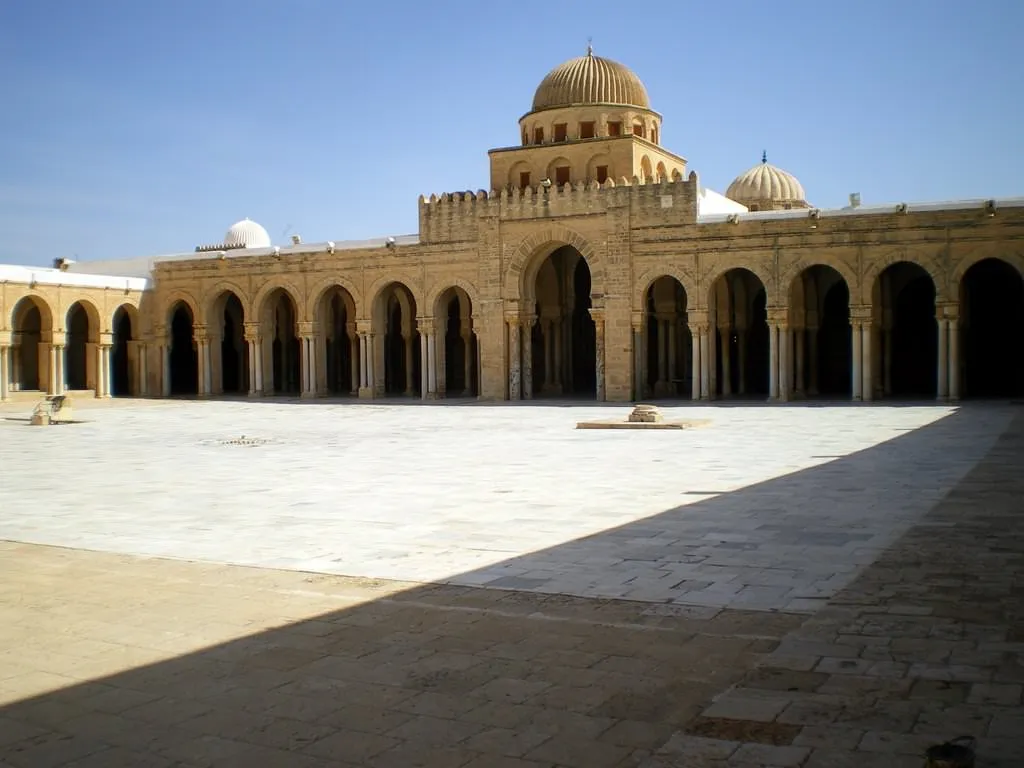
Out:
{"x": 58, "y": 338}
{"x": 512, "y": 319}
{"x": 6, "y": 338}
{"x": 636, "y": 319}
{"x": 364, "y": 327}
{"x": 778, "y": 316}
{"x": 947, "y": 310}
{"x": 597, "y": 314}
{"x": 307, "y": 328}
{"x": 425, "y": 324}
{"x": 697, "y": 317}
{"x": 861, "y": 312}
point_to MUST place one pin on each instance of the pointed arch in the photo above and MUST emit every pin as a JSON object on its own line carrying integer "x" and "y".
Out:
{"x": 520, "y": 275}
{"x": 215, "y": 295}
{"x": 647, "y": 279}
{"x": 443, "y": 286}
{"x": 875, "y": 265}
{"x": 320, "y": 290}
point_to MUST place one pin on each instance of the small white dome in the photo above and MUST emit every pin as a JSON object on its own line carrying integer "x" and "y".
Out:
{"x": 764, "y": 183}
{"x": 247, "y": 234}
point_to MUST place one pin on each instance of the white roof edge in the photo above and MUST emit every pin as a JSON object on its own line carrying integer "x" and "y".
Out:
{"x": 301, "y": 248}
{"x": 867, "y": 210}
{"x": 11, "y": 273}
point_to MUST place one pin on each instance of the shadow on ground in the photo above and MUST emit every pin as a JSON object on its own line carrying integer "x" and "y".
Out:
{"x": 239, "y": 666}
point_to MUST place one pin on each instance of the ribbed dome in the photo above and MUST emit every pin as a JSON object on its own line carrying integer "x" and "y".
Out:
{"x": 590, "y": 80}
{"x": 764, "y": 183}
{"x": 247, "y": 234}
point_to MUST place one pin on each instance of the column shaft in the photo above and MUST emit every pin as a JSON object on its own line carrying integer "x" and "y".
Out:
{"x": 954, "y": 359}
{"x": 942, "y": 389}
{"x": 695, "y": 367}
{"x": 514, "y": 361}
{"x": 773, "y": 362}
{"x": 867, "y": 358}
{"x": 856, "y": 383}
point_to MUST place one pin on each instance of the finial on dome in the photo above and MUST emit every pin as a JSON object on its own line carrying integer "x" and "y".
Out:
{"x": 764, "y": 156}
{"x": 590, "y": 46}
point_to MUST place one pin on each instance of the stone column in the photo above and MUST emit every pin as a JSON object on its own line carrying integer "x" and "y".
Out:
{"x": 867, "y": 358}
{"x": 205, "y": 372}
{"x": 364, "y": 367}
{"x": 799, "y": 386}
{"x": 57, "y": 369}
{"x": 106, "y": 368}
{"x": 527, "y": 342}
{"x": 598, "y": 317}
{"x": 942, "y": 389}
{"x": 514, "y": 358}
{"x": 887, "y": 360}
{"x": 431, "y": 342}
{"x": 407, "y": 342}
{"x": 356, "y": 363}
{"x": 705, "y": 363}
{"x": 773, "y": 361}
{"x": 785, "y": 363}
{"x": 424, "y": 367}
{"x": 556, "y": 333}
{"x": 99, "y": 378}
{"x": 954, "y": 357}
{"x": 467, "y": 362}
{"x": 254, "y": 338}
{"x": 856, "y": 374}
{"x": 165, "y": 367}
{"x": 638, "y": 368}
{"x": 5, "y": 371}
{"x": 695, "y": 362}
{"x": 143, "y": 386}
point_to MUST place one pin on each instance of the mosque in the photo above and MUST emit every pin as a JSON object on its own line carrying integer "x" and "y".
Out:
{"x": 597, "y": 266}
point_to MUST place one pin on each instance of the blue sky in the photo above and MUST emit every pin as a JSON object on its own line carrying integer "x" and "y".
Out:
{"x": 145, "y": 127}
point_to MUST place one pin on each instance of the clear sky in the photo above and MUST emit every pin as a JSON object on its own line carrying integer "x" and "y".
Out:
{"x": 140, "y": 127}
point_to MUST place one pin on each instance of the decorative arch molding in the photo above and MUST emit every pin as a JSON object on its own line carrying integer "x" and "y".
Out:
{"x": 650, "y": 277}
{"x": 443, "y": 286}
{"x": 876, "y": 265}
{"x": 91, "y": 311}
{"x": 379, "y": 285}
{"x": 260, "y": 300}
{"x": 131, "y": 307}
{"x": 44, "y": 304}
{"x": 320, "y": 289}
{"x": 760, "y": 271}
{"x": 998, "y": 252}
{"x": 213, "y": 294}
{"x": 794, "y": 271}
{"x": 522, "y": 270}
{"x": 177, "y": 296}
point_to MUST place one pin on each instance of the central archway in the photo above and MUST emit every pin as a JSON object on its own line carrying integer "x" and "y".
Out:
{"x": 738, "y": 318}
{"x": 562, "y": 340}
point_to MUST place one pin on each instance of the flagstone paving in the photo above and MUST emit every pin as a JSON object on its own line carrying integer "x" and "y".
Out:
{"x": 111, "y": 659}
{"x": 926, "y": 645}
{"x": 511, "y": 497}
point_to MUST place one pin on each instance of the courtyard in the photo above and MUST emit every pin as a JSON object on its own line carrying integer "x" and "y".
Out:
{"x": 291, "y": 583}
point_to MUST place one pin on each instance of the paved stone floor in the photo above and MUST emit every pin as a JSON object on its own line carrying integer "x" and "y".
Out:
{"x": 119, "y": 658}
{"x": 765, "y": 508}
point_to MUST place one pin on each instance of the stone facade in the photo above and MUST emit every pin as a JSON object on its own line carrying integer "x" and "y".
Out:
{"x": 621, "y": 288}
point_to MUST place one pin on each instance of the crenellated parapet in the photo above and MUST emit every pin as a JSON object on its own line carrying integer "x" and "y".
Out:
{"x": 453, "y": 217}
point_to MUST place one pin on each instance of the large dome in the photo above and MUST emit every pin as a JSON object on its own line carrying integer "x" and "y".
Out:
{"x": 766, "y": 186}
{"x": 247, "y": 234}
{"x": 590, "y": 80}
